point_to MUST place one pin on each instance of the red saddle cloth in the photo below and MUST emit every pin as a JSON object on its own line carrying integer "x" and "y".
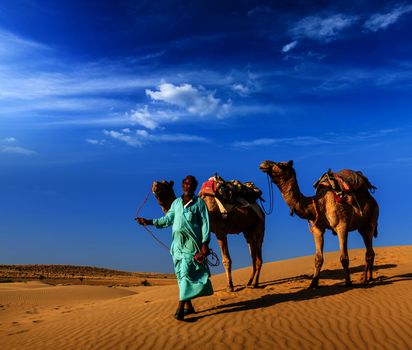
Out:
{"x": 209, "y": 187}
{"x": 350, "y": 180}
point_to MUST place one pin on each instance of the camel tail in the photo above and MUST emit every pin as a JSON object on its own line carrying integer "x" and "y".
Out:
{"x": 375, "y": 234}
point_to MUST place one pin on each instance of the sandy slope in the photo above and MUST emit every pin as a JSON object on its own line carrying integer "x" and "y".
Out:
{"x": 282, "y": 314}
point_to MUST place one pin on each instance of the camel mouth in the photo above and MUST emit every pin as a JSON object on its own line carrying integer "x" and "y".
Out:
{"x": 155, "y": 187}
{"x": 265, "y": 167}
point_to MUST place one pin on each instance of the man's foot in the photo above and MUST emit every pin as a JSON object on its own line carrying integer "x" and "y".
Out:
{"x": 180, "y": 312}
{"x": 180, "y": 315}
{"x": 189, "y": 311}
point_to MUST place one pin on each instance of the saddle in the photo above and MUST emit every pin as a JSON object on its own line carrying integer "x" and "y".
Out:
{"x": 230, "y": 191}
{"x": 345, "y": 184}
{"x": 229, "y": 194}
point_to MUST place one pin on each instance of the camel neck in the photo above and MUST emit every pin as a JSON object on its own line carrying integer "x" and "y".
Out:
{"x": 166, "y": 204}
{"x": 296, "y": 201}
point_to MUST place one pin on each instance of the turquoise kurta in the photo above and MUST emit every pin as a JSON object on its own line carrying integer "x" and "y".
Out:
{"x": 190, "y": 230}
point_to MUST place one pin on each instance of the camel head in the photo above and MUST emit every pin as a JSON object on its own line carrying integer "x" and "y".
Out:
{"x": 278, "y": 171}
{"x": 164, "y": 193}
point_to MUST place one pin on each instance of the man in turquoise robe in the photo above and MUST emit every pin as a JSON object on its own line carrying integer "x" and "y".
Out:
{"x": 190, "y": 219}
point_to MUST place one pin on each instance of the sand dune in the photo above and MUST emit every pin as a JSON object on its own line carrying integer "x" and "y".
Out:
{"x": 282, "y": 314}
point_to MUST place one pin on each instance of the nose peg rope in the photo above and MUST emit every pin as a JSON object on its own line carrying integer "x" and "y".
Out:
{"x": 145, "y": 227}
{"x": 270, "y": 186}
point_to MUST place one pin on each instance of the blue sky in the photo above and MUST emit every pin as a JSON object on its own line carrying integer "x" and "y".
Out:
{"x": 98, "y": 99}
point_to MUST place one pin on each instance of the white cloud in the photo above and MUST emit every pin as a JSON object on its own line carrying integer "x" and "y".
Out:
{"x": 144, "y": 118}
{"x": 383, "y": 20}
{"x": 17, "y": 150}
{"x": 289, "y": 46}
{"x": 322, "y": 29}
{"x": 96, "y": 142}
{"x": 195, "y": 101}
{"x": 141, "y": 137}
{"x": 241, "y": 89}
{"x": 142, "y": 133}
{"x": 10, "y": 139}
{"x": 124, "y": 137}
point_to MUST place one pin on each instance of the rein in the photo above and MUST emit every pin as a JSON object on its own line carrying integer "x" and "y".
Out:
{"x": 270, "y": 186}
{"x": 146, "y": 228}
{"x": 316, "y": 217}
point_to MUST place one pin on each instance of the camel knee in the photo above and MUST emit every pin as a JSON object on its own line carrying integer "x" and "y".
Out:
{"x": 227, "y": 264}
{"x": 370, "y": 256}
{"x": 344, "y": 260}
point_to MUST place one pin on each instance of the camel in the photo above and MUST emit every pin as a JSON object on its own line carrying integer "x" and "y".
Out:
{"x": 239, "y": 219}
{"x": 324, "y": 212}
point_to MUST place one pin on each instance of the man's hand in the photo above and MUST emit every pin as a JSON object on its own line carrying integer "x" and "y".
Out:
{"x": 144, "y": 222}
{"x": 205, "y": 249}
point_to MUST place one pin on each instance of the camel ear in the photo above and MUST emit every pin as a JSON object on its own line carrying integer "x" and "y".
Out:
{"x": 171, "y": 182}
{"x": 290, "y": 163}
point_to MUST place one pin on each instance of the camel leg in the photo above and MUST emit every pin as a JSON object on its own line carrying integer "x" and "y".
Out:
{"x": 318, "y": 237}
{"x": 258, "y": 264}
{"x": 367, "y": 236}
{"x": 344, "y": 257}
{"x": 252, "y": 250}
{"x": 227, "y": 261}
{"x": 259, "y": 242}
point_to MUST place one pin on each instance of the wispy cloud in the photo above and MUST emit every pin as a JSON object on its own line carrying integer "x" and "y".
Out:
{"x": 13, "y": 47}
{"x": 152, "y": 119}
{"x": 124, "y": 136}
{"x": 96, "y": 142}
{"x": 289, "y": 46}
{"x": 380, "y": 21}
{"x": 241, "y": 89}
{"x": 322, "y": 29}
{"x": 5, "y": 147}
{"x": 328, "y": 139}
{"x": 295, "y": 141}
{"x": 259, "y": 10}
{"x": 138, "y": 138}
{"x": 17, "y": 150}
{"x": 197, "y": 101}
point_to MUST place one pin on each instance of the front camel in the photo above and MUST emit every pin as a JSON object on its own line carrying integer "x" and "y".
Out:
{"x": 325, "y": 212}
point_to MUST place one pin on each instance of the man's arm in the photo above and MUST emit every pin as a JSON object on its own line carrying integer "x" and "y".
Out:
{"x": 164, "y": 221}
{"x": 167, "y": 220}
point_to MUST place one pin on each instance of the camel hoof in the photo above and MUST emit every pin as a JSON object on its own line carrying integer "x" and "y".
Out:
{"x": 366, "y": 281}
{"x": 229, "y": 289}
{"x": 314, "y": 284}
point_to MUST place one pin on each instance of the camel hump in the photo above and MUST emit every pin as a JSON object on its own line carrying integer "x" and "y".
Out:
{"x": 230, "y": 191}
{"x": 345, "y": 181}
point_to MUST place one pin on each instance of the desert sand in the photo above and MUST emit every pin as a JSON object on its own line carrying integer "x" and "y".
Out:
{"x": 282, "y": 314}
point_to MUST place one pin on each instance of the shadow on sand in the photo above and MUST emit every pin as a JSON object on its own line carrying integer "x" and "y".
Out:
{"x": 271, "y": 299}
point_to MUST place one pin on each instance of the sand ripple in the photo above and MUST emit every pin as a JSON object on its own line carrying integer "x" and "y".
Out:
{"x": 281, "y": 315}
